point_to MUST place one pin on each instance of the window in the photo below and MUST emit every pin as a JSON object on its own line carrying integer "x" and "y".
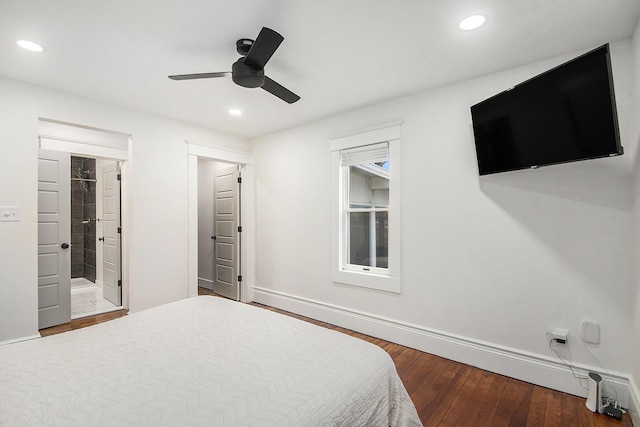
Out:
{"x": 365, "y": 209}
{"x": 366, "y": 250}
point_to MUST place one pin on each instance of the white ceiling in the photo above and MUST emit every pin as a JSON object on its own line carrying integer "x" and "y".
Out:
{"x": 337, "y": 54}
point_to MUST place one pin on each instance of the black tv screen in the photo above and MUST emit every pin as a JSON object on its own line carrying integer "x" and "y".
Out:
{"x": 563, "y": 115}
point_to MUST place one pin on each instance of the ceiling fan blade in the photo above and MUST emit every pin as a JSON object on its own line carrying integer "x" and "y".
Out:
{"x": 200, "y": 76}
{"x": 263, "y": 48}
{"x": 280, "y": 91}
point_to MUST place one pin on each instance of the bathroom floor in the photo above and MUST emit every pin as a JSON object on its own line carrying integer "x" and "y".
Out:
{"x": 87, "y": 299}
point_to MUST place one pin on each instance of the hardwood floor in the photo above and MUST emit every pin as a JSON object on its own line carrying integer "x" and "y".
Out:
{"x": 448, "y": 393}
{"x": 83, "y": 322}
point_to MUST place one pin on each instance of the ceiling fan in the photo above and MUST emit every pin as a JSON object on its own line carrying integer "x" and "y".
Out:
{"x": 248, "y": 71}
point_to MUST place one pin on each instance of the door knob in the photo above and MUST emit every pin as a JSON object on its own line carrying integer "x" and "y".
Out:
{"x": 101, "y": 239}
{"x": 214, "y": 237}
{"x": 64, "y": 246}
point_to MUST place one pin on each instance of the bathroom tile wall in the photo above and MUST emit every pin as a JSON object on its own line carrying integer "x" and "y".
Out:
{"x": 77, "y": 216}
{"x": 89, "y": 209}
{"x": 83, "y": 214}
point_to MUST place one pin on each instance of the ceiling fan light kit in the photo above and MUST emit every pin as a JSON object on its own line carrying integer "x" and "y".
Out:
{"x": 248, "y": 71}
{"x": 243, "y": 46}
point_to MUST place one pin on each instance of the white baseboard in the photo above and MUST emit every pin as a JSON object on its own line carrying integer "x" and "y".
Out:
{"x": 530, "y": 367}
{"x": 30, "y": 337}
{"x": 634, "y": 403}
{"x": 205, "y": 283}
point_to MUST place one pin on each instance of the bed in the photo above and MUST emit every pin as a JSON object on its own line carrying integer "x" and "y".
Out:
{"x": 202, "y": 361}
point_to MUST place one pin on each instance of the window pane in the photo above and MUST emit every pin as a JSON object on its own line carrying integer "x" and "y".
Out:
{"x": 368, "y": 186}
{"x": 368, "y": 246}
{"x": 382, "y": 239}
{"x": 359, "y": 241}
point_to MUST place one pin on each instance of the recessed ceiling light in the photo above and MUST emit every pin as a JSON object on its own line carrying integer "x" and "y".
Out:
{"x": 235, "y": 112}
{"x": 472, "y": 22}
{"x": 29, "y": 45}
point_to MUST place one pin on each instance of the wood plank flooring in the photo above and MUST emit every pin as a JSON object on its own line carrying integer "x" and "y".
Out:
{"x": 83, "y": 322}
{"x": 448, "y": 393}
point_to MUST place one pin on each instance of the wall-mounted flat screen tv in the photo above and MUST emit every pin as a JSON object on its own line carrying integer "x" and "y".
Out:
{"x": 563, "y": 115}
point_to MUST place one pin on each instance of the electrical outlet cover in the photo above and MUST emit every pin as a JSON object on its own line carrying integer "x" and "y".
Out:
{"x": 590, "y": 332}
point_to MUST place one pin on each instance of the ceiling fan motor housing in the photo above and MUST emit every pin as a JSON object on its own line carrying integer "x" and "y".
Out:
{"x": 245, "y": 75}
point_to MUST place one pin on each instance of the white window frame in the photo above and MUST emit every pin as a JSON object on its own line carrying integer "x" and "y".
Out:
{"x": 370, "y": 152}
{"x": 385, "y": 279}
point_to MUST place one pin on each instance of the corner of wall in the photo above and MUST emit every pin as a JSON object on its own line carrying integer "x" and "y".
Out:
{"x": 634, "y": 402}
{"x": 634, "y": 406}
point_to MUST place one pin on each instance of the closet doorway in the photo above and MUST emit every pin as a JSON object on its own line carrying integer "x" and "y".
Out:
{"x": 197, "y": 154}
{"x": 219, "y": 228}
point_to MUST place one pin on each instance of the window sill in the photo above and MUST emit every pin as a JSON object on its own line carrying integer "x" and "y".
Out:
{"x": 367, "y": 280}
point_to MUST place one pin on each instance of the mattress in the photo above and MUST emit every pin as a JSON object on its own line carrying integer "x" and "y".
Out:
{"x": 201, "y": 361}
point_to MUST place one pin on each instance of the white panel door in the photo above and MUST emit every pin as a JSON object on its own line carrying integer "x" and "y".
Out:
{"x": 226, "y": 243}
{"x": 111, "y": 284}
{"x": 54, "y": 235}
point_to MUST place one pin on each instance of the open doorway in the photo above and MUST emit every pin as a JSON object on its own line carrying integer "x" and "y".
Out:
{"x": 219, "y": 228}
{"x": 79, "y": 249}
{"x": 202, "y": 236}
{"x": 96, "y": 284}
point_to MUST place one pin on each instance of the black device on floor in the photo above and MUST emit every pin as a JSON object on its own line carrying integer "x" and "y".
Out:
{"x": 612, "y": 412}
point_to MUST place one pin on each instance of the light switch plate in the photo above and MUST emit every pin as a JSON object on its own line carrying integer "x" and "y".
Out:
{"x": 10, "y": 213}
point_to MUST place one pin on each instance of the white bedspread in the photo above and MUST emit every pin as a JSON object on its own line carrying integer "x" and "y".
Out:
{"x": 201, "y": 361}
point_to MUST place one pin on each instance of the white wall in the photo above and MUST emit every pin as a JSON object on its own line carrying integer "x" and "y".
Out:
{"x": 498, "y": 260}
{"x": 157, "y": 193}
{"x": 635, "y": 328}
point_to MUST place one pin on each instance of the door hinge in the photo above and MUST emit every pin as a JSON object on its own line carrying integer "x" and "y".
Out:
{"x": 239, "y": 229}
{"x": 239, "y": 180}
{"x": 119, "y": 177}
{"x": 119, "y": 230}
{"x": 240, "y": 278}
{"x": 119, "y": 282}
